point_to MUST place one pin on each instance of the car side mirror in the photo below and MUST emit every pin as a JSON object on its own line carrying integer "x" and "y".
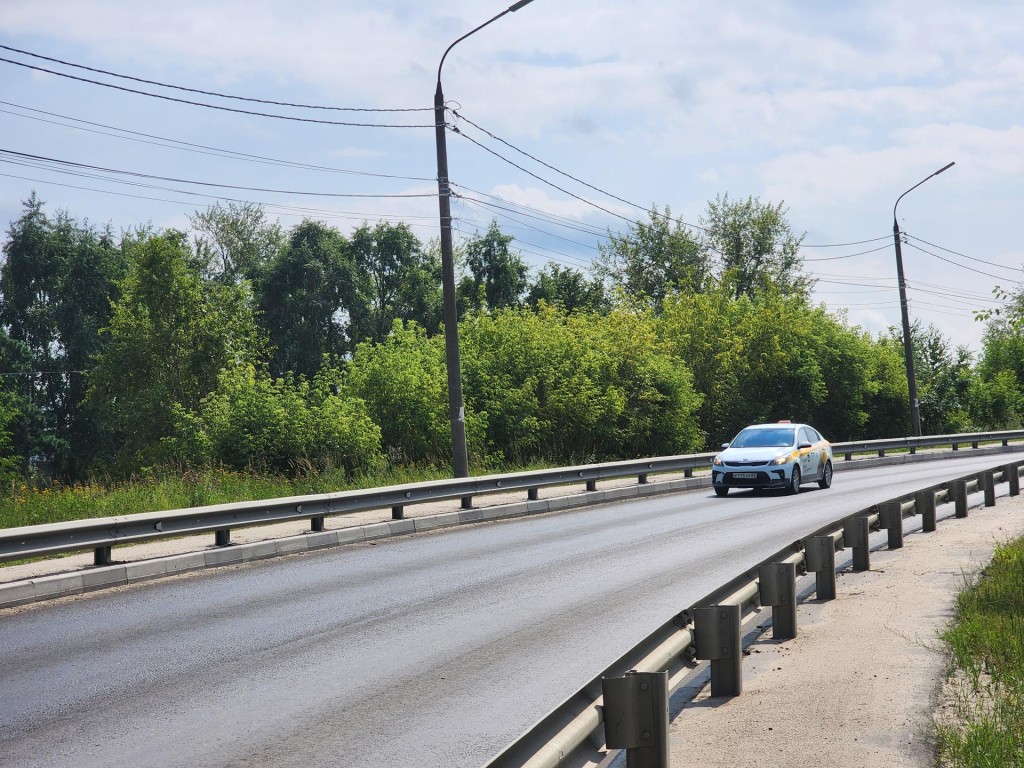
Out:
{"x": 804, "y": 445}
{"x": 724, "y": 446}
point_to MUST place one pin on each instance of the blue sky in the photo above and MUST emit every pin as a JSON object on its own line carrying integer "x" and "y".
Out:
{"x": 832, "y": 108}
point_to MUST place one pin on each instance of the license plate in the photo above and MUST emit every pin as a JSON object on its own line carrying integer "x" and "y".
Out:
{"x": 744, "y": 475}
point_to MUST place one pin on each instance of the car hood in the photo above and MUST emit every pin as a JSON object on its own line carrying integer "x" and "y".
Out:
{"x": 746, "y": 455}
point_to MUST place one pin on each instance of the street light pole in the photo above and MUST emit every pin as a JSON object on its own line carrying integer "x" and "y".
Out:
{"x": 456, "y": 408}
{"x": 908, "y": 347}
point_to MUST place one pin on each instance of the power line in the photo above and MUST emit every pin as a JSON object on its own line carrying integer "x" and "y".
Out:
{"x": 163, "y": 141}
{"x": 962, "y": 266}
{"x": 211, "y": 106}
{"x": 840, "y": 245}
{"x": 135, "y": 174}
{"x": 209, "y": 93}
{"x": 963, "y": 255}
{"x": 848, "y": 255}
{"x": 274, "y": 208}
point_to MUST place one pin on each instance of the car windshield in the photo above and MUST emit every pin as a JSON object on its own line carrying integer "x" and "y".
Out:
{"x": 777, "y": 437}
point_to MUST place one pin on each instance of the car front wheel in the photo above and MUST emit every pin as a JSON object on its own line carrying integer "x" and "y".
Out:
{"x": 826, "y": 476}
{"x": 721, "y": 490}
{"x": 794, "y": 481}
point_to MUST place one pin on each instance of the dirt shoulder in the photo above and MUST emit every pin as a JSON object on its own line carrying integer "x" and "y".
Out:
{"x": 861, "y": 681}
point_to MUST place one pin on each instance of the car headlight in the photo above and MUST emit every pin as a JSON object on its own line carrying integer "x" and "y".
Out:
{"x": 783, "y": 459}
{"x": 717, "y": 461}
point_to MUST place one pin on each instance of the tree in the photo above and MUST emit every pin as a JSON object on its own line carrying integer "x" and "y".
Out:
{"x": 568, "y": 289}
{"x": 57, "y": 282}
{"x": 170, "y": 335}
{"x": 234, "y": 242}
{"x": 399, "y": 281}
{"x": 753, "y": 240}
{"x": 652, "y": 260}
{"x": 497, "y": 276}
{"x": 306, "y": 296}
{"x": 252, "y": 422}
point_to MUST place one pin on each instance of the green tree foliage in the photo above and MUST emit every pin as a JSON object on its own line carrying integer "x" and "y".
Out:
{"x": 305, "y": 297}
{"x": 997, "y": 394}
{"x": 497, "y": 277}
{"x": 404, "y": 383}
{"x": 257, "y": 423}
{"x": 574, "y": 387}
{"x": 234, "y": 242}
{"x": 170, "y": 335}
{"x": 568, "y": 289}
{"x": 57, "y": 283}
{"x": 753, "y": 240}
{"x": 652, "y": 260}
{"x": 400, "y": 281}
{"x": 775, "y": 357}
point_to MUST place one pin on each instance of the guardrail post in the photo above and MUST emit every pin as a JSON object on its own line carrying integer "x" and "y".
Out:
{"x": 317, "y": 524}
{"x": 956, "y": 446}
{"x": 820, "y": 557}
{"x": 467, "y": 502}
{"x": 856, "y": 536}
{"x": 958, "y": 493}
{"x": 913, "y": 450}
{"x": 532, "y": 494}
{"x": 1010, "y": 472}
{"x": 847, "y": 457}
{"x": 890, "y": 514}
{"x": 974, "y": 444}
{"x": 636, "y": 717}
{"x": 987, "y": 482}
{"x": 881, "y": 453}
{"x": 777, "y": 588}
{"x": 591, "y": 485}
{"x": 642, "y": 478}
{"x": 222, "y": 537}
{"x": 716, "y": 631}
{"x": 102, "y": 555}
{"x": 924, "y": 505}
{"x": 688, "y": 473}
{"x": 398, "y": 512}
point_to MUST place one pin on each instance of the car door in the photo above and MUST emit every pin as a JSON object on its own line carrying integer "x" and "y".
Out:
{"x": 810, "y": 458}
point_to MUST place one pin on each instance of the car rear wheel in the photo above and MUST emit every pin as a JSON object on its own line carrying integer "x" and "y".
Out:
{"x": 721, "y": 491}
{"x": 794, "y": 481}
{"x": 826, "y": 476}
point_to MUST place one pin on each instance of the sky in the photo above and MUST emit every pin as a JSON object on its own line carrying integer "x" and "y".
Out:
{"x": 573, "y": 118}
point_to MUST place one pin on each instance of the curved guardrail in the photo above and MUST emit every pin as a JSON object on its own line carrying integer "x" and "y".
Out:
{"x": 573, "y": 732}
{"x": 101, "y": 534}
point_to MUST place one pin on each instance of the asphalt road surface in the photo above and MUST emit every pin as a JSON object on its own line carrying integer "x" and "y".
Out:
{"x": 431, "y": 650}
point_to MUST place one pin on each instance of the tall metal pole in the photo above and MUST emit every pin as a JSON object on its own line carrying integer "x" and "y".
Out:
{"x": 908, "y": 346}
{"x": 456, "y": 407}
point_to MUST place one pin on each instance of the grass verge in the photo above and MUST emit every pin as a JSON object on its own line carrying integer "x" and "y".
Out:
{"x": 986, "y": 642}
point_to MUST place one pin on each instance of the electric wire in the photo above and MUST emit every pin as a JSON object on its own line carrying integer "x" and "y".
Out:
{"x": 208, "y": 93}
{"x": 136, "y": 174}
{"x": 963, "y": 255}
{"x": 962, "y": 266}
{"x": 213, "y": 106}
{"x": 848, "y": 255}
{"x": 202, "y": 149}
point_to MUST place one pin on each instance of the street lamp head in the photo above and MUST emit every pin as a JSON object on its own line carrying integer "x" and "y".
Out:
{"x": 922, "y": 181}
{"x": 515, "y": 7}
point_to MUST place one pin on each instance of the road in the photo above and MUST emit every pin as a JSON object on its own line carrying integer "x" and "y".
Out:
{"x": 436, "y": 649}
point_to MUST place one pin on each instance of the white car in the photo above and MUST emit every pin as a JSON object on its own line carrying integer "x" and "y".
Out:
{"x": 781, "y": 455}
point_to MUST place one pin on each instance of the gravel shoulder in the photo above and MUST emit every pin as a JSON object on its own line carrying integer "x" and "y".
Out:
{"x": 860, "y": 683}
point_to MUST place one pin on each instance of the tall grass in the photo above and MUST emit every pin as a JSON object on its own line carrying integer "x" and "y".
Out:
{"x": 986, "y": 642}
{"x": 22, "y": 504}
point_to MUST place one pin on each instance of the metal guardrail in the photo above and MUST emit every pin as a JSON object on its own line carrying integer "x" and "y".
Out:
{"x": 101, "y": 534}
{"x": 574, "y": 730}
